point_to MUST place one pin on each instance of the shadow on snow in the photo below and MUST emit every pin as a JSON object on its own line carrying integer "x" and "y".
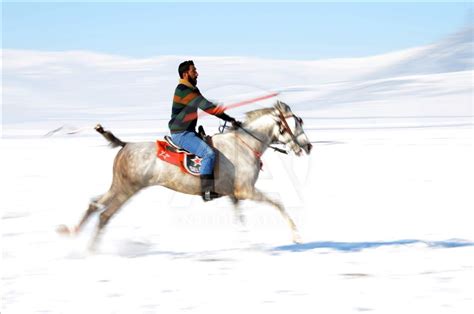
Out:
{"x": 358, "y": 246}
{"x": 136, "y": 249}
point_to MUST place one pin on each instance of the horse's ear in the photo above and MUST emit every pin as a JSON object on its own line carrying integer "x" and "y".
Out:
{"x": 282, "y": 106}
{"x": 279, "y": 105}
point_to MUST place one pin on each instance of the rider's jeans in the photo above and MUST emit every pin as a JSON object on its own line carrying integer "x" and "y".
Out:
{"x": 193, "y": 144}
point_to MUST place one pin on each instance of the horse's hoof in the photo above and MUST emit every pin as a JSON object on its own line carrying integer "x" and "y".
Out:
{"x": 65, "y": 230}
{"x": 297, "y": 239}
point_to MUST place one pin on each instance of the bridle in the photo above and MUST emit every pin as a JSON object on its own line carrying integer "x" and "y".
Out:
{"x": 285, "y": 128}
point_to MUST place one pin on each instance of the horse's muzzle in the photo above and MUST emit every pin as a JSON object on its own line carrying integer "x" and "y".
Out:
{"x": 308, "y": 147}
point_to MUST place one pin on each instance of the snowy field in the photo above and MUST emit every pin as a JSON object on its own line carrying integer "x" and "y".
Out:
{"x": 385, "y": 216}
{"x": 384, "y": 203}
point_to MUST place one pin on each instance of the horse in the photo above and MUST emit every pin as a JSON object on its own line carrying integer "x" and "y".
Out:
{"x": 236, "y": 170}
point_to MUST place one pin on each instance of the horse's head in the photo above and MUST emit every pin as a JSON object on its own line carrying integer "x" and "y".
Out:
{"x": 289, "y": 129}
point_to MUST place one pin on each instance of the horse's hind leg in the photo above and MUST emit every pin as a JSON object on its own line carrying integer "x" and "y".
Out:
{"x": 95, "y": 205}
{"x": 259, "y": 196}
{"x": 115, "y": 204}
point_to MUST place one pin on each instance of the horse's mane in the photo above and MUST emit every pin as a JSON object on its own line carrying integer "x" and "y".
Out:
{"x": 254, "y": 114}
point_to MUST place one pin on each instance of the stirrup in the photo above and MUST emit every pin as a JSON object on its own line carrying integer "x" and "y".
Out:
{"x": 209, "y": 196}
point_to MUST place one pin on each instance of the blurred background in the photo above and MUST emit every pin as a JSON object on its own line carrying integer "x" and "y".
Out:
{"x": 81, "y": 63}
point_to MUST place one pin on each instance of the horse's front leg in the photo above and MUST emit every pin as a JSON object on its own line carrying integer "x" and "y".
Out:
{"x": 257, "y": 195}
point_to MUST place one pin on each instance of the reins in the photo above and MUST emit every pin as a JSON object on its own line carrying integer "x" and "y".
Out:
{"x": 269, "y": 146}
{"x": 223, "y": 127}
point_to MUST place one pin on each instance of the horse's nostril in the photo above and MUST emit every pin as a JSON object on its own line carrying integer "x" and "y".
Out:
{"x": 309, "y": 147}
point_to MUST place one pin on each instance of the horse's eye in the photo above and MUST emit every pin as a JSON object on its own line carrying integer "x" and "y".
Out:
{"x": 299, "y": 120}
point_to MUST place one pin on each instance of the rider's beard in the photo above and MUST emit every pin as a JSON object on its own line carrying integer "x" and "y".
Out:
{"x": 193, "y": 81}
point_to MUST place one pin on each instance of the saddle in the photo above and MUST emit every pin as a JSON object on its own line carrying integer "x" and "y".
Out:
{"x": 170, "y": 152}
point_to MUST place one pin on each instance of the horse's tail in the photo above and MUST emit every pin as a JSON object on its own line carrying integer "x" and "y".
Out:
{"x": 113, "y": 140}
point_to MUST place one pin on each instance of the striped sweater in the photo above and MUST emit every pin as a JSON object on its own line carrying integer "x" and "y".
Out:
{"x": 186, "y": 101}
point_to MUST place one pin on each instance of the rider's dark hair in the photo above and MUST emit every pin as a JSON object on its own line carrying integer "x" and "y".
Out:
{"x": 184, "y": 67}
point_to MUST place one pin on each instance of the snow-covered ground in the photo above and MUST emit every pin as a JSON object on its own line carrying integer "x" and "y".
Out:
{"x": 384, "y": 203}
{"x": 385, "y": 216}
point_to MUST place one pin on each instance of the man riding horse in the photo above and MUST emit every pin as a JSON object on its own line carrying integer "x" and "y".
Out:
{"x": 137, "y": 166}
{"x": 187, "y": 99}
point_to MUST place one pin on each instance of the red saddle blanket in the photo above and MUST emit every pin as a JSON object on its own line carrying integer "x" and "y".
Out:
{"x": 187, "y": 162}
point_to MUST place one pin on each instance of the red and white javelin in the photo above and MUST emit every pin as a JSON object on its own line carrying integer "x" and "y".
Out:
{"x": 220, "y": 109}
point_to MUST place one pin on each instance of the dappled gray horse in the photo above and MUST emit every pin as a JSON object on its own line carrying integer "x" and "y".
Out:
{"x": 236, "y": 170}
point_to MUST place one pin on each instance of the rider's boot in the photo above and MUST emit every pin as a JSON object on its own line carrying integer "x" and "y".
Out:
{"x": 207, "y": 188}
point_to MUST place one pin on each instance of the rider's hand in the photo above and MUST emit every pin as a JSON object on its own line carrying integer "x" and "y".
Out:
{"x": 236, "y": 124}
